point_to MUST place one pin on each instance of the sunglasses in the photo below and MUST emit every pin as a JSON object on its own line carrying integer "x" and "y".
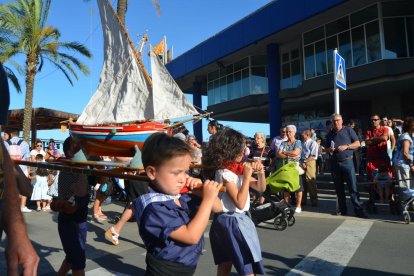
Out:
{"x": 374, "y": 120}
{"x": 38, "y": 146}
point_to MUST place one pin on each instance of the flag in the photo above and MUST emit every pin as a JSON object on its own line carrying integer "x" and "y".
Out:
{"x": 159, "y": 49}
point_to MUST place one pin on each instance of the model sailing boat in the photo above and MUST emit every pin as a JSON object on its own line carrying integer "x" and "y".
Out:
{"x": 128, "y": 106}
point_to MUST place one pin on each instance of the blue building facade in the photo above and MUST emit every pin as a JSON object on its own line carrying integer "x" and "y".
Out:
{"x": 276, "y": 65}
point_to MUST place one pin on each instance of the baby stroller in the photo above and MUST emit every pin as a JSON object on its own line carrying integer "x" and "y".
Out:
{"x": 274, "y": 207}
{"x": 405, "y": 197}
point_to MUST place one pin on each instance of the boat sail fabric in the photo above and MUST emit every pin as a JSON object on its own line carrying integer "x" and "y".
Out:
{"x": 123, "y": 94}
{"x": 169, "y": 100}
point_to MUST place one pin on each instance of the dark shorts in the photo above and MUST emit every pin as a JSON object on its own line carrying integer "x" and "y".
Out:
{"x": 156, "y": 267}
{"x": 300, "y": 183}
{"x": 73, "y": 237}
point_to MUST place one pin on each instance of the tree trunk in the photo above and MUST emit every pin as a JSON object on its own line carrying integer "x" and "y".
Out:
{"x": 121, "y": 10}
{"x": 31, "y": 64}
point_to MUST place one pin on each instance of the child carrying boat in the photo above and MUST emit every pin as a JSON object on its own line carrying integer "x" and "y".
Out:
{"x": 173, "y": 239}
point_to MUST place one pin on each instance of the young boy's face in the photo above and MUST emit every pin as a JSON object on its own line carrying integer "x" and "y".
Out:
{"x": 172, "y": 175}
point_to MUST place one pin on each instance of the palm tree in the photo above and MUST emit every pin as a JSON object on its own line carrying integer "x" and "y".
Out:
{"x": 24, "y": 32}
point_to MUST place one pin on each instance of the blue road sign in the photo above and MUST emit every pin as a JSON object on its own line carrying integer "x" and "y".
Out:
{"x": 340, "y": 72}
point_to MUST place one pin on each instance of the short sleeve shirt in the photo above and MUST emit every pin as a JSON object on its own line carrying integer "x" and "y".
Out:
{"x": 276, "y": 142}
{"x": 344, "y": 136}
{"x": 399, "y": 158}
{"x": 309, "y": 148}
{"x": 296, "y": 145}
{"x": 158, "y": 221}
{"x": 380, "y": 150}
{"x": 35, "y": 152}
{"x": 263, "y": 155}
{"x": 226, "y": 201}
{"x": 70, "y": 183}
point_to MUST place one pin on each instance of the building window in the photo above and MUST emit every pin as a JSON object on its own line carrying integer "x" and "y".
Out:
{"x": 394, "y": 36}
{"x": 358, "y": 46}
{"x": 291, "y": 76}
{"x": 373, "y": 41}
{"x": 245, "y": 77}
{"x": 356, "y": 36}
{"x": 410, "y": 35}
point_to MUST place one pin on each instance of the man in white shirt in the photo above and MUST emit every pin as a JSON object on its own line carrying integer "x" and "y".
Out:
{"x": 308, "y": 158}
{"x": 276, "y": 142}
{"x": 391, "y": 142}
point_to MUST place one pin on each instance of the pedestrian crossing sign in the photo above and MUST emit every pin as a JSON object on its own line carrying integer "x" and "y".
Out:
{"x": 340, "y": 71}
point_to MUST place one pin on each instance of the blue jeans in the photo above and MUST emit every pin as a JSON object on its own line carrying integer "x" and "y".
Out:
{"x": 345, "y": 171}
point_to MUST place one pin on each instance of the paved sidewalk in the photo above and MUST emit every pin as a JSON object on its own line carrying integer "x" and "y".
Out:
{"x": 128, "y": 258}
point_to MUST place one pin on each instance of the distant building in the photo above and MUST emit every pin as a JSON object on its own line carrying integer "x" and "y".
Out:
{"x": 275, "y": 65}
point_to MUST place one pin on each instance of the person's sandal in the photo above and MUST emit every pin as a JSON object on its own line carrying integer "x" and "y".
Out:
{"x": 98, "y": 218}
{"x": 112, "y": 236}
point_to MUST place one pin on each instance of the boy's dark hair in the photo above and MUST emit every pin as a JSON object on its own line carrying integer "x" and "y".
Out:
{"x": 67, "y": 145}
{"x": 39, "y": 157}
{"x": 224, "y": 146}
{"x": 42, "y": 172}
{"x": 160, "y": 147}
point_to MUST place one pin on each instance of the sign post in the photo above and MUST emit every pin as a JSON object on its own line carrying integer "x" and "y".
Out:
{"x": 339, "y": 81}
{"x": 339, "y": 78}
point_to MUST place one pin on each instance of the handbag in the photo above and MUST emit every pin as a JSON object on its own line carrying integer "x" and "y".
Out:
{"x": 299, "y": 168}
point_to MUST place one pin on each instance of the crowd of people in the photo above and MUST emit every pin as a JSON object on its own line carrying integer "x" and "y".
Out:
{"x": 171, "y": 222}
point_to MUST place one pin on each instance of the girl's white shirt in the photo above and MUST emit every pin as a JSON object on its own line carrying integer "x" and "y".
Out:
{"x": 226, "y": 201}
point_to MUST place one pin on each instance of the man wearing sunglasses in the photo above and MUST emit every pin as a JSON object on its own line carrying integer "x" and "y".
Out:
{"x": 376, "y": 141}
{"x": 274, "y": 147}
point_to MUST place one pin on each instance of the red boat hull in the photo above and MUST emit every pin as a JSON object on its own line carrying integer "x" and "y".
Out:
{"x": 113, "y": 140}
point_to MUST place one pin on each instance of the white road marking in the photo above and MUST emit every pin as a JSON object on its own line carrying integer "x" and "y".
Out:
{"x": 103, "y": 272}
{"x": 333, "y": 254}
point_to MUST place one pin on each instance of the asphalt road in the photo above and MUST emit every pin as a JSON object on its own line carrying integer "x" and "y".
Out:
{"x": 318, "y": 244}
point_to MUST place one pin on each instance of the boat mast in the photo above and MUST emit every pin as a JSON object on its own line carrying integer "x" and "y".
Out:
{"x": 137, "y": 54}
{"x": 144, "y": 40}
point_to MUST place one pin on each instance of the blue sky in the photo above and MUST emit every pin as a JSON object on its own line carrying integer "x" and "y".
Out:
{"x": 185, "y": 23}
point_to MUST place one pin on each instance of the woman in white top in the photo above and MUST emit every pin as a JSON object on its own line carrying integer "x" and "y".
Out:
{"x": 37, "y": 150}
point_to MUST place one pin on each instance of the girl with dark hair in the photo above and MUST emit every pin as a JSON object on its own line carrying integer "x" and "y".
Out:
{"x": 233, "y": 236}
{"x": 213, "y": 127}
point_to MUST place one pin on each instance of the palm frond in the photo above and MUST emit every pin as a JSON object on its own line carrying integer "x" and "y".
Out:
{"x": 12, "y": 77}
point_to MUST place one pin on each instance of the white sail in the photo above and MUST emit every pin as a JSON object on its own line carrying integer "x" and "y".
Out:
{"x": 123, "y": 93}
{"x": 169, "y": 101}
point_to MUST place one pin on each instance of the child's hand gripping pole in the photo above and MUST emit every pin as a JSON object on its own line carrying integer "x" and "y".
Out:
{"x": 197, "y": 185}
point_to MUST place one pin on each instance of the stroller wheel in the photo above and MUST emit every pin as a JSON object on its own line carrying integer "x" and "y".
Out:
{"x": 407, "y": 217}
{"x": 291, "y": 221}
{"x": 280, "y": 223}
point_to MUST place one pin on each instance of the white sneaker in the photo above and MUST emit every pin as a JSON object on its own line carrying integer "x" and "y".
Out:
{"x": 298, "y": 210}
{"x": 25, "y": 210}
